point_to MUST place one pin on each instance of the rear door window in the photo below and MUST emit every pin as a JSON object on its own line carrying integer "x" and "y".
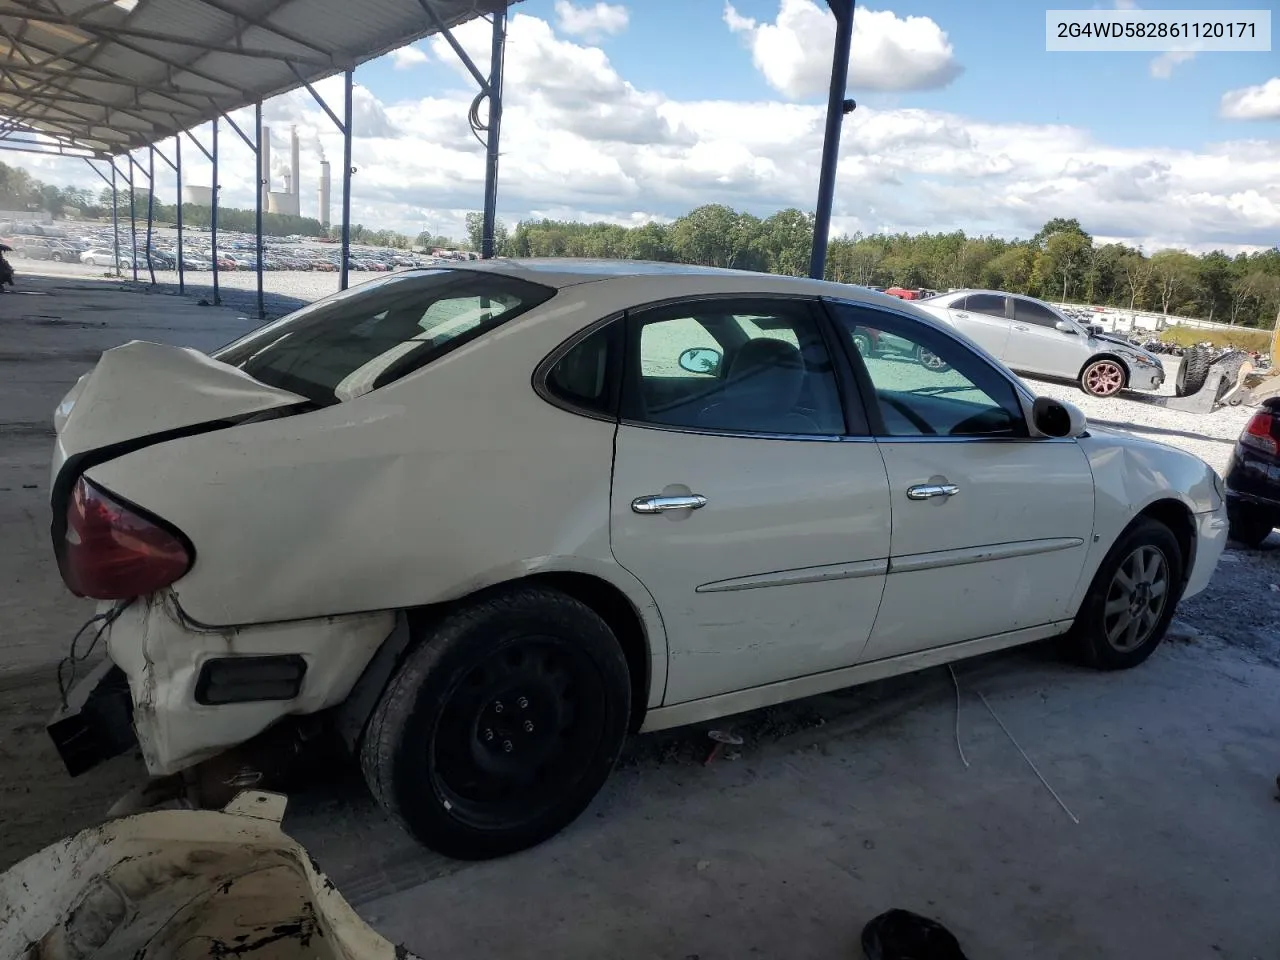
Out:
{"x": 365, "y": 337}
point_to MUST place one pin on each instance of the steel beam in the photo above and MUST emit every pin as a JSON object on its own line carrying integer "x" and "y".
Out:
{"x": 837, "y": 107}
{"x": 115, "y": 219}
{"x": 133, "y": 222}
{"x": 257, "y": 161}
{"x": 494, "y": 93}
{"x": 346, "y": 181}
{"x": 213, "y": 216}
{"x": 151, "y": 208}
{"x": 177, "y": 169}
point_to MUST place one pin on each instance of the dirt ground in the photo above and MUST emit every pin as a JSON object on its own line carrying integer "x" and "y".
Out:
{"x": 833, "y": 809}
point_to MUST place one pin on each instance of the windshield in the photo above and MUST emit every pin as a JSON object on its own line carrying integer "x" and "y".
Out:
{"x": 365, "y": 337}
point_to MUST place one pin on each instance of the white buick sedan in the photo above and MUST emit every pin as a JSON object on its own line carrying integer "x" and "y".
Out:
{"x": 493, "y": 516}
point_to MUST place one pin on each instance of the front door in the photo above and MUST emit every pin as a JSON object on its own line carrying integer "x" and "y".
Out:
{"x": 760, "y": 528}
{"x": 1036, "y": 345}
{"x": 990, "y": 527}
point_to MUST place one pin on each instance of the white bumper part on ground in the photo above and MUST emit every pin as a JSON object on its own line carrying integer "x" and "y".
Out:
{"x": 163, "y": 658}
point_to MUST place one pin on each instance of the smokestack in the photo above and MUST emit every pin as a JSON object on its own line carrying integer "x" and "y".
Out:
{"x": 324, "y": 194}
{"x": 296, "y": 180}
{"x": 264, "y": 165}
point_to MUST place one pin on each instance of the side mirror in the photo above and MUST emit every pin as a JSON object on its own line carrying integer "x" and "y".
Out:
{"x": 1064, "y": 327}
{"x": 1057, "y": 418}
{"x": 700, "y": 360}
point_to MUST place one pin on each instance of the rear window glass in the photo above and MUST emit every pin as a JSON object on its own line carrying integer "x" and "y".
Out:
{"x": 367, "y": 336}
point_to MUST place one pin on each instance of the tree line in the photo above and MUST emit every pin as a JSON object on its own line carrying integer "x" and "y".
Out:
{"x": 1060, "y": 263}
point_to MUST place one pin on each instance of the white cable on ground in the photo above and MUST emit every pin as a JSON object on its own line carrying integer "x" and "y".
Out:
{"x": 956, "y": 683}
{"x": 1033, "y": 767}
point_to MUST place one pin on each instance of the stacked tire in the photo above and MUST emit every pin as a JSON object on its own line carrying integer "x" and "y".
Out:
{"x": 1193, "y": 371}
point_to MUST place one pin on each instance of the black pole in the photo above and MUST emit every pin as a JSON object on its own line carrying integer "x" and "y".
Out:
{"x": 133, "y": 222}
{"x": 487, "y": 241}
{"x": 213, "y": 215}
{"x": 151, "y": 207}
{"x": 837, "y": 107}
{"x": 346, "y": 182}
{"x": 257, "y": 158}
{"x": 182, "y": 278}
{"x": 115, "y": 217}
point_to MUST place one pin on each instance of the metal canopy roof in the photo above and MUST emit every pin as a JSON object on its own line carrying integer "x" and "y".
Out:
{"x": 101, "y": 77}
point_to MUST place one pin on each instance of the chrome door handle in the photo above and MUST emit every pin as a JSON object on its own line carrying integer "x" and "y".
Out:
{"x": 656, "y": 504}
{"x": 963, "y": 316}
{"x": 1017, "y": 327}
{"x": 927, "y": 491}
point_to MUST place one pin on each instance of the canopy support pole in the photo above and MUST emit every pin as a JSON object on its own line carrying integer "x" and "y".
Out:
{"x": 837, "y": 107}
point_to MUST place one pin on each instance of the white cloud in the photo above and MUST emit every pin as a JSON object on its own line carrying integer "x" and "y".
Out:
{"x": 1253, "y": 103}
{"x": 581, "y": 142}
{"x": 889, "y": 53}
{"x": 408, "y": 57}
{"x": 591, "y": 23}
{"x": 1162, "y": 67}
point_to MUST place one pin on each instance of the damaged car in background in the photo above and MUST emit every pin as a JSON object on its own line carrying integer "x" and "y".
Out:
{"x": 486, "y": 520}
{"x": 1037, "y": 338}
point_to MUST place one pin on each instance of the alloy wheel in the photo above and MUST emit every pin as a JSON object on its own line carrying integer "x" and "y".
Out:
{"x": 1104, "y": 378}
{"x": 1136, "y": 599}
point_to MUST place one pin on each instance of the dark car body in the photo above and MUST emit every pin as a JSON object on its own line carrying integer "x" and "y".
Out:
{"x": 1253, "y": 477}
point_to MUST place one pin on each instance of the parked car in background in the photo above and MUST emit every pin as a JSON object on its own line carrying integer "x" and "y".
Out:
{"x": 99, "y": 257}
{"x": 1253, "y": 477}
{"x": 576, "y": 499}
{"x": 1035, "y": 338}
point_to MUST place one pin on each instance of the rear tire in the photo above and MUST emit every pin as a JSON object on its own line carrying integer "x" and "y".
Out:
{"x": 501, "y": 725}
{"x": 930, "y": 360}
{"x": 863, "y": 344}
{"x": 1248, "y": 525}
{"x": 1121, "y": 621}
{"x": 1193, "y": 372}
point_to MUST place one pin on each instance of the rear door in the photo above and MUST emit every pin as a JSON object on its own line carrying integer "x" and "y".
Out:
{"x": 756, "y": 518}
{"x": 1036, "y": 345}
{"x": 990, "y": 527}
{"x": 984, "y": 319}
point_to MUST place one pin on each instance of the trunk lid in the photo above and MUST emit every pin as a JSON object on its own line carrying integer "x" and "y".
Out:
{"x": 141, "y": 391}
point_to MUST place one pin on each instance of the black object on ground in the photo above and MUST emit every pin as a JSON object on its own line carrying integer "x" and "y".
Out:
{"x": 903, "y": 935}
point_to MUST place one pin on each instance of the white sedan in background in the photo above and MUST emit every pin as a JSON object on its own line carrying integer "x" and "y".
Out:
{"x": 99, "y": 257}
{"x": 1036, "y": 338}
{"x": 493, "y": 516}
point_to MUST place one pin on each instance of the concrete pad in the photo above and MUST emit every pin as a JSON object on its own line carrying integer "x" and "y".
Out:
{"x": 833, "y": 809}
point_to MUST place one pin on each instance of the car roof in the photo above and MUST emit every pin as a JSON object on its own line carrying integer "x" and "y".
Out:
{"x": 567, "y": 272}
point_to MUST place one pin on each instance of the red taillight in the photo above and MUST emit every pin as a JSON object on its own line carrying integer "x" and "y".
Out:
{"x": 1261, "y": 432}
{"x": 113, "y": 553}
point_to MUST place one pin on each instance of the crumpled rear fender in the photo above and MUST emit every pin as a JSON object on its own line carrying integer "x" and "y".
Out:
{"x": 182, "y": 885}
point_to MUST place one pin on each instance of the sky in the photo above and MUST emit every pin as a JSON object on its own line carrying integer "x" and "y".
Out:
{"x": 634, "y": 111}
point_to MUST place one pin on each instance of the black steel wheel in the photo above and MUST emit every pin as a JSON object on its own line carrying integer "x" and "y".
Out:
{"x": 502, "y": 724}
{"x": 1127, "y": 609}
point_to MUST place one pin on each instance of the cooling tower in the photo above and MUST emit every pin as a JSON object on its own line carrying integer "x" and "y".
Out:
{"x": 324, "y": 194}
{"x": 264, "y": 165}
{"x": 200, "y": 196}
{"x": 295, "y": 180}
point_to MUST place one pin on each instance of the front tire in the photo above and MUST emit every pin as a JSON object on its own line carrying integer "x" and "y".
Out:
{"x": 501, "y": 725}
{"x": 1102, "y": 378}
{"x": 1131, "y": 600}
{"x": 930, "y": 360}
{"x": 1248, "y": 525}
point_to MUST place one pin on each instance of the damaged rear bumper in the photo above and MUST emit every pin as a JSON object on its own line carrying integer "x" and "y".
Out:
{"x": 195, "y": 692}
{"x": 97, "y": 722}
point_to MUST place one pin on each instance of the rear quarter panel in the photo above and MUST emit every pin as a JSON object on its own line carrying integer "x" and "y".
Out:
{"x": 455, "y": 478}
